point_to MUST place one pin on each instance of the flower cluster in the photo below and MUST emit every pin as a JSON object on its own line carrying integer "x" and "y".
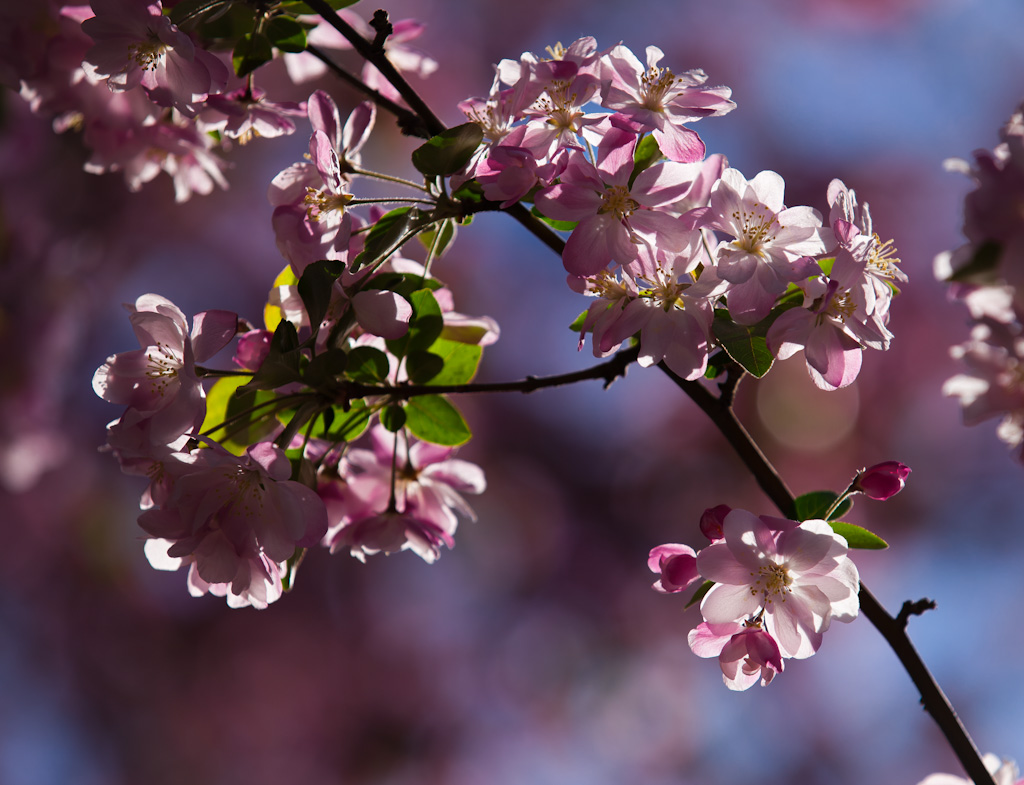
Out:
{"x": 665, "y": 238}
{"x": 151, "y": 97}
{"x": 230, "y": 508}
{"x": 987, "y": 274}
{"x": 776, "y": 586}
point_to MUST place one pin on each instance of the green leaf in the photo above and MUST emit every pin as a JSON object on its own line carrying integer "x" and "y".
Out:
{"x": 217, "y": 401}
{"x": 325, "y": 368}
{"x": 368, "y": 365}
{"x": 423, "y": 366}
{"x": 393, "y": 418}
{"x": 449, "y": 151}
{"x": 386, "y": 236}
{"x": 461, "y": 361}
{"x": 339, "y": 425}
{"x": 425, "y": 326}
{"x": 251, "y": 51}
{"x": 577, "y": 323}
{"x": 315, "y": 287}
{"x": 302, "y": 9}
{"x": 646, "y": 154}
{"x": 814, "y": 505}
{"x": 562, "y": 226}
{"x": 281, "y": 365}
{"x": 746, "y": 345}
{"x": 825, "y": 265}
{"x": 717, "y": 363}
{"x": 286, "y": 34}
{"x": 471, "y": 192}
{"x": 698, "y": 595}
{"x": 429, "y": 237}
{"x": 858, "y": 536}
{"x": 982, "y": 264}
{"x": 192, "y": 11}
{"x": 433, "y": 419}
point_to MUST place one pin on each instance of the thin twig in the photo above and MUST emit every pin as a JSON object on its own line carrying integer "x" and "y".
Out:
{"x": 377, "y": 58}
{"x": 610, "y": 370}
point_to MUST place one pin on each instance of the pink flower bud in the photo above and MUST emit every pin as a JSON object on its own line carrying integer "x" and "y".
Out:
{"x": 882, "y": 480}
{"x": 253, "y": 348}
{"x": 677, "y": 565}
{"x": 711, "y": 521}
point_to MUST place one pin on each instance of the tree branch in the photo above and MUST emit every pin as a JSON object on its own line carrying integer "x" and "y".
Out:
{"x": 376, "y": 57}
{"x": 610, "y": 370}
{"x": 409, "y": 122}
{"x": 892, "y": 629}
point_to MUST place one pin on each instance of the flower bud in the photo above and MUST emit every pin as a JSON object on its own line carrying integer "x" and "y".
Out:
{"x": 677, "y": 565}
{"x": 711, "y": 521}
{"x": 882, "y": 480}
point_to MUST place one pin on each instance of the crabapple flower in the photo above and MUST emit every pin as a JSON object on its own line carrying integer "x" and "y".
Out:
{"x": 244, "y": 114}
{"x": 137, "y": 45}
{"x": 236, "y": 519}
{"x": 746, "y": 653}
{"x": 992, "y": 386}
{"x": 711, "y": 521}
{"x": 677, "y": 565}
{"x": 159, "y": 380}
{"x": 420, "y": 515}
{"x": 1004, "y": 772}
{"x": 616, "y": 217}
{"x": 795, "y": 577}
{"x": 655, "y": 99}
{"x": 883, "y": 480}
{"x": 771, "y": 246}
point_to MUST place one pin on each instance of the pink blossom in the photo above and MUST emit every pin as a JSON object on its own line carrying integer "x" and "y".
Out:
{"x": 616, "y": 217}
{"x": 245, "y": 114}
{"x": 253, "y": 348}
{"x": 772, "y": 242}
{"x": 746, "y": 653}
{"x": 159, "y": 381}
{"x": 797, "y": 577}
{"x": 137, "y": 45}
{"x": 677, "y": 565}
{"x": 310, "y": 198}
{"x": 711, "y": 521}
{"x": 655, "y": 99}
{"x": 422, "y": 515}
{"x": 883, "y": 480}
{"x": 994, "y": 356}
{"x": 235, "y": 520}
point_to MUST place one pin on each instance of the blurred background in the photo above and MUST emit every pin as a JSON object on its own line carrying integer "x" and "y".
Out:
{"x": 535, "y": 651}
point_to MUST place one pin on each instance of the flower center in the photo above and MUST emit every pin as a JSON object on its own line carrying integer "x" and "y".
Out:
{"x": 607, "y": 286}
{"x": 771, "y": 581}
{"x": 654, "y": 86}
{"x": 148, "y": 54}
{"x": 882, "y": 258}
{"x": 841, "y": 306}
{"x": 561, "y": 106}
{"x": 557, "y": 51}
{"x": 320, "y": 202}
{"x": 756, "y": 228}
{"x": 618, "y": 201}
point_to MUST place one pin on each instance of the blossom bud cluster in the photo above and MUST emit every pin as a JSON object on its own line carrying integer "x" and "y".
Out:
{"x": 150, "y": 97}
{"x": 663, "y": 237}
{"x": 775, "y": 587}
{"x": 987, "y": 275}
